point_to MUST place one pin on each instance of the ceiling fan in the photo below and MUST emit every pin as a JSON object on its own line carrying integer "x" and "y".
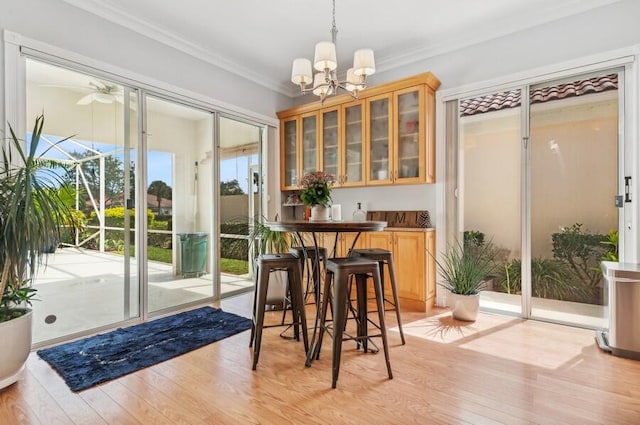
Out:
{"x": 101, "y": 93}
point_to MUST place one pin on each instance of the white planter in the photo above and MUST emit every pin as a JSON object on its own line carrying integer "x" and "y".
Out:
{"x": 464, "y": 307}
{"x": 16, "y": 337}
{"x": 319, "y": 213}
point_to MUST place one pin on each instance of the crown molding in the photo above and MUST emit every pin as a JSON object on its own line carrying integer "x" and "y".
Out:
{"x": 147, "y": 29}
{"x": 389, "y": 62}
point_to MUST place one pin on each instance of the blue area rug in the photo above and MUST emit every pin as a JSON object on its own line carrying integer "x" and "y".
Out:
{"x": 100, "y": 358}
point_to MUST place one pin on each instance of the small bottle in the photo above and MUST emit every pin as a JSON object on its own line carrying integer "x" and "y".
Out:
{"x": 359, "y": 214}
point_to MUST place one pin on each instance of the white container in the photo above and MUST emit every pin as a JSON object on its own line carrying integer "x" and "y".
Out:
{"x": 336, "y": 212}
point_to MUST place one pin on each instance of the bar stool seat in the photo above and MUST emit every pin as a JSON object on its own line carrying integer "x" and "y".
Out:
{"x": 314, "y": 275}
{"x": 383, "y": 256}
{"x": 339, "y": 272}
{"x": 266, "y": 264}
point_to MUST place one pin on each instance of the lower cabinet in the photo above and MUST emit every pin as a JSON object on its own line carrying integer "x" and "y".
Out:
{"x": 414, "y": 266}
{"x": 343, "y": 244}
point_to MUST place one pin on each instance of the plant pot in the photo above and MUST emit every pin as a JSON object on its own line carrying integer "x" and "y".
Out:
{"x": 464, "y": 307}
{"x": 319, "y": 213}
{"x": 14, "y": 355}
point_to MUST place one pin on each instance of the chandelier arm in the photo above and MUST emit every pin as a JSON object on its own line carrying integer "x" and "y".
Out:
{"x": 332, "y": 84}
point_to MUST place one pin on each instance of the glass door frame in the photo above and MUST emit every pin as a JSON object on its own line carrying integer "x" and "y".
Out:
{"x": 261, "y": 207}
{"x": 627, "y": 217}
{"x": 527, "y": 201}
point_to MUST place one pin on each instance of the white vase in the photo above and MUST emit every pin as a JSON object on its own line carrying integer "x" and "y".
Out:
{"x": 464, "y": 307}
{"x": 319, "y": 213}
{"x": 13, "y": 358}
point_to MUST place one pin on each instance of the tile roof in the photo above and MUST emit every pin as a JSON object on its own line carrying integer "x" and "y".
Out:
{"x": 511, "y": 98}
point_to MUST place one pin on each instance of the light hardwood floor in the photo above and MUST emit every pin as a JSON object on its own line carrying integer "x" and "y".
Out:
{"x": 497, "y": 370}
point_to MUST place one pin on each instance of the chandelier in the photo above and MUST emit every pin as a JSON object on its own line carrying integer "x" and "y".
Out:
{"x": 325, "y": 82}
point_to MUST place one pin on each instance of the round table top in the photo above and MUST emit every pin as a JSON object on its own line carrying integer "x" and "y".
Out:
{"x": 326, "y": 226}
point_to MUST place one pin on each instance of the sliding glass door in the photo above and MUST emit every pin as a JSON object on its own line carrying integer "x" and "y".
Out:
{"x": 574, "y": 179}
{"x": 490, "y": 175}
{"x": 179, "y": 203}
{"x": 147, "y": 170}
{"x": 240, "y": 201}
{"x": 538, "y": 174}
{"x": 91, "y": 279}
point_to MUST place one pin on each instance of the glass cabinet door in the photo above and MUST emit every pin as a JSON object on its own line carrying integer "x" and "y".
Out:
{"x": 380, "y": 139}
{"x": 353, "y": 142}
{"x": 309, "y": 143}
{"x": 289, "y": 154}
{"x": 409, "y": 132}
{"x": 330, "y": 143}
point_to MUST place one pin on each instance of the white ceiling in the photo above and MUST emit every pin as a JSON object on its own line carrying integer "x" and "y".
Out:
{"x": 258, "y": 39}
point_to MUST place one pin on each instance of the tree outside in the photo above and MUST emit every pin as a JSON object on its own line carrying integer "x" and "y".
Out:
{"x": 160, "y": 190}
{"x": 232, "y": 187}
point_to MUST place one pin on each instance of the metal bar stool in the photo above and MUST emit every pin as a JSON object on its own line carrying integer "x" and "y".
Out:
{"x": 383, "y": 256}
{"x": 266, "y": 264}
{"x": 339, "y": 271}
{"x": 315, "y": 273}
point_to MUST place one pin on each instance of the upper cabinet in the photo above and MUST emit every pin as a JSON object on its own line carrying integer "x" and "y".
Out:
{"x": 379, "y": 136}
{"x": 330, "y": 141}
{"x": 310, "y": 157}
{"x": 289, "y": 153}
{"x": 409, "y": 136}
{"x": 352, "y": 144}
{"x": 385, "y": 137}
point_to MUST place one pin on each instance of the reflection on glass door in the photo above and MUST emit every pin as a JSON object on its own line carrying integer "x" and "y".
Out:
{"x": 91, "y": 281}
{"x": 179, "y": 204}
{"x": 574, "y": 168}
{"x": 490, "y": 164}
{"x": 569, "y": 167}
{"x": 240, "y": 202}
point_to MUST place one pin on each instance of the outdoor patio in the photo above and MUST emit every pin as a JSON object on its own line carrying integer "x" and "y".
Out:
{"x": 81, "y": 289}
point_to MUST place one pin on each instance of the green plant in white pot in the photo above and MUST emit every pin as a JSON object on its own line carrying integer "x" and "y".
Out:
{"x": 464, "y": 270}
{"x": 31, "y": 216}
{"x": 267, "y": 241}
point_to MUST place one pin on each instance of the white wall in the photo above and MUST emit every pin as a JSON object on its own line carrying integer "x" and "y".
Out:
{"x": 57, "y": 23}
{"x": 595, "y": 31}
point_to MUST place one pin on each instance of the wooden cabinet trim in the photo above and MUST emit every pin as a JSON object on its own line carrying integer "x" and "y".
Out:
{"x": 426, "y": 78}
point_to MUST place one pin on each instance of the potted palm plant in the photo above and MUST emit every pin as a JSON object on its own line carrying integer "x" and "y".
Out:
{"x": 31, "y": 216}
{"x": 464, "y": 270}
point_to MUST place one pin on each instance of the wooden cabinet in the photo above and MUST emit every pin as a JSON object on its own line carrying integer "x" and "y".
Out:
{"x": 396, "y": 135}
{"x": 379, "y": 138}
{"x": 409, "y": 136}
{"x": 289, "y": 153}
{"x": 299, "y": 144}
{"x": 310, "y": 158}
{"x": 330, "y": 141}
{"x": 343, "y": 244}
{"x": 342, "y": 141}
{"x": 414, "y": 267}
{"x": 386, "y": 137}
{"x": 352, "y": 144}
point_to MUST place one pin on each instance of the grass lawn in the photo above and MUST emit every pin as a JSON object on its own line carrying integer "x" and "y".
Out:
{"x": 227, "y": 265}
{"x": 233, "y": 266}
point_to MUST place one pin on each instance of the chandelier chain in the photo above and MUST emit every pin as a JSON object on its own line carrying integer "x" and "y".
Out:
{"x": 334, "y": 29}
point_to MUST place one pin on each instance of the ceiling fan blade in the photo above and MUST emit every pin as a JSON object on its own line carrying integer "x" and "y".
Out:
{"x": 97, "y": 85}
{"x": 85, "y": 100}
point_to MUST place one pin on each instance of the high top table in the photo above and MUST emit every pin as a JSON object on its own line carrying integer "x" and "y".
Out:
{"x": 298, "y": 227}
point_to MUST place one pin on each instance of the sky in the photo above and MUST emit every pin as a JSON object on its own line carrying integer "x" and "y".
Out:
{"x": 159, "y": 164}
